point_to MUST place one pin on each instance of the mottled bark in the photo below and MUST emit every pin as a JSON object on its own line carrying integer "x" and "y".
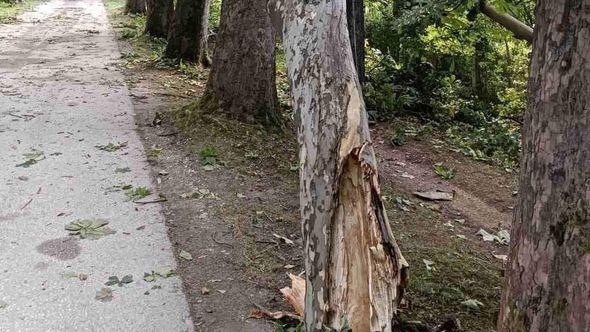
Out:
{"x": 355, "y": 15}
{"x": 159, "y": 13}
{"x": 242, "y": 78}
{"x": 548, "y": 276}
{"x": 187, "y": 35}
{"x": 355, "y": 272}
{"x": 135, "y": 7}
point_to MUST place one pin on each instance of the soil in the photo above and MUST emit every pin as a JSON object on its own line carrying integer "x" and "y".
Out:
{"x": 247, "y": 198}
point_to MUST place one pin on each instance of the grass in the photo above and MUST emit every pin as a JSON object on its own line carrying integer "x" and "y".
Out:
{"x": 260, "y": 159}
{"x": 9, "y": 11}
{"x": 461, "y": 269}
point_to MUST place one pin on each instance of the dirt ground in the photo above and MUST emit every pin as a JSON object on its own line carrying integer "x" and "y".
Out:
{"x": 232, "y": 192}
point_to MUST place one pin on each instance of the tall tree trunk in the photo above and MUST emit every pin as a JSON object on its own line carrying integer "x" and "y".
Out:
{"x": 159, "y": 13}
{"x": 135, "y": 7}
{"x": 548, "y": 277}
{"x": 355, "y": 14}
{"x": 187, "y": 35}
{"x": 242, "y": 79}
{"x": 355, "y": 272}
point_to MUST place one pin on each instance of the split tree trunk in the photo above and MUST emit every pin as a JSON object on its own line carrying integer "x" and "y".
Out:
{"x": 159, "y": 13}
{"x": 135, "y": 7}
{"x": 548, "y": 277}
{"x": 355, "y": 272}
{"x": 355, "y": 15}
{"x": 187, "y": 35}
{"x": 242, "y": 79}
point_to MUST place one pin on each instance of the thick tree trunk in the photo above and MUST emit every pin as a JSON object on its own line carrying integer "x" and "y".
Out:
{"x": 242, "y": 79}
{"x": 187, "y": 35}
{"x": 355, "y": 272}
{"x": 355, "y": 15}
{"x": 548, "y": 277}
{"x": 159, "y": 13}
{"x": 135, "y": 7}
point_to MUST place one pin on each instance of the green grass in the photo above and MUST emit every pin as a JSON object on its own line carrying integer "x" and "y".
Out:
{"x": 9, "y": 11}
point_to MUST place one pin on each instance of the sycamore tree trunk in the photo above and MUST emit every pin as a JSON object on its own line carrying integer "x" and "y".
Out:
{"x": 355, "y": 272}
{"x": 135, "y": 7}
{"x": 159, "y": 13}
{"x": 242, "y": 79}
{"x": 548, "y": 277}
{"x": 187, "y": 35}
{"x": 355, "y": 15}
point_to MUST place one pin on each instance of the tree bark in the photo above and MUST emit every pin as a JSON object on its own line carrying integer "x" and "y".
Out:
{"x": 548, "y": 276}
{"x": 242, "y": 79}
{"x": 187, "y": 35}
{"x": 159, "y": 13}
{"x": 355, "y": 272}
{"x": 135, "y": 7}
{"x": 355, "y": 14}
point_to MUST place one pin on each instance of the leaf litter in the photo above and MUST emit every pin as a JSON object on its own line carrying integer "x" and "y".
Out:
{"x": 32, "y": 158}
{"x": 91, "y": 229}
{"x": 105, "y": 294}
{"x": 114, "y": 280}
{"x": 161, "y": 272}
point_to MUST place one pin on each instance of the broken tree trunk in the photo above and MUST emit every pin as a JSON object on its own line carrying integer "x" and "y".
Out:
{"x": 355, "y": 272}
{"x": 548, "y": 275}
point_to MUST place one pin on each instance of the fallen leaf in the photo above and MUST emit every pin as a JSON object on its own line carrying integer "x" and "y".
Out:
{"x": 113, "y": 280}
{"x": 289, "y": 266}
{"x": 284, "y": 239}
{"x": 487, "y": 237}
{"x": 127, "y": 279}
{"x": 185, "y": 255}
{"x": 153, "y": 198}
{"x": 503, "y": 258}
{"x": 472, "y": 304}
{"x": 89, "y": 229}
{"x": 429, "y": 264}
{"x": 295, "y": 295}
{"x": 105, "y": 294}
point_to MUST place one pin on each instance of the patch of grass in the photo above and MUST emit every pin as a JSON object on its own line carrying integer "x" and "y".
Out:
{"x": 460, "y": 269}
{"x": 10, "y": 11}
{"x": 155, "y": 152}
{"x": 138, "y": 193}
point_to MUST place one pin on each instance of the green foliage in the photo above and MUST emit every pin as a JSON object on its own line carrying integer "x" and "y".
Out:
{"x": 208, "y": 156}
{"x": 497, "y": 142}
{"x": 444, "y": 172}
{"x": 442, "y": 61}
{"x": 10, "y": 9}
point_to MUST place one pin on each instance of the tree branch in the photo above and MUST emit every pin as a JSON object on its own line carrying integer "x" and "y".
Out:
{"x": 520, "y": 30}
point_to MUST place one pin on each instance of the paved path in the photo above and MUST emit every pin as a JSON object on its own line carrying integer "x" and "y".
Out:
{"x": 61, "y": 94}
